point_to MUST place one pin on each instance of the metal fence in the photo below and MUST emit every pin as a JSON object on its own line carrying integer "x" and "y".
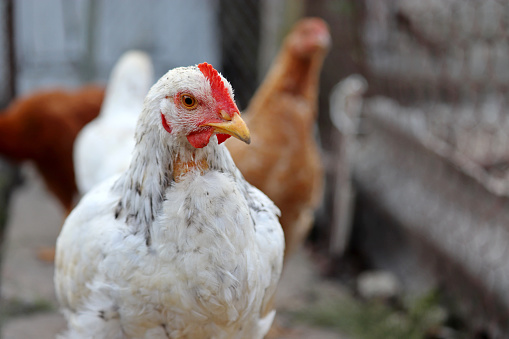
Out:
{"x": 434, "y": 156}
{"x": 449, "y": 58}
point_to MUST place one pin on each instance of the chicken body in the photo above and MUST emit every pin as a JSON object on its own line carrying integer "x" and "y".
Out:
{"x": 104, "y": 146}
{"x": 179, "y": 245}
{"x": 42, "y": 128}
{"x": 284, "y": 160}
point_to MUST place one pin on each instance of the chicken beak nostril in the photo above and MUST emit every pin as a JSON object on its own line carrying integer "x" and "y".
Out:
{"x": 235, "y": 126}
{"x": 225, "y": 115}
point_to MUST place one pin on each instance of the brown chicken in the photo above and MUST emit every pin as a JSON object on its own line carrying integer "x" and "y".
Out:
{"x": 41, "y": 127}
{"x": 283, "y": 159}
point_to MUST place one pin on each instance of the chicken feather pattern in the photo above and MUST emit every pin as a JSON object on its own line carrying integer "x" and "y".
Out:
{"x": 146, "y": 256}
{"x": 284, "y": 158}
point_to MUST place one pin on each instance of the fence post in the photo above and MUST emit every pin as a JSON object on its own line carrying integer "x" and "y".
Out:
{"x": 9, "y": 175}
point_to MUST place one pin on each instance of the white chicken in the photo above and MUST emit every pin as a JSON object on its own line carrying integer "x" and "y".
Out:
{"x": 179, "y": 245}
{"x": 104, "y": 146}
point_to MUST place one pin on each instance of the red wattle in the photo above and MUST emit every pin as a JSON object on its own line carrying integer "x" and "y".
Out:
{"x": 200, "y": 139}
{"x": 165, "y": 124}
{"x": 222, "y": 138}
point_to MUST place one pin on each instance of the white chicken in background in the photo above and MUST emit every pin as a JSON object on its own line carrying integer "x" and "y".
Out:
{"x": 104, "y": 146}
{"x": 179, "y": 245}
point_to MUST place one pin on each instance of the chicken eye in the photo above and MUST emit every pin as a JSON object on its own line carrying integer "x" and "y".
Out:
{"x": 188, "y": 101}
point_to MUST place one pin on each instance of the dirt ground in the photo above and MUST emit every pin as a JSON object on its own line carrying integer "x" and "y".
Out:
{"x": 29, "y": 300}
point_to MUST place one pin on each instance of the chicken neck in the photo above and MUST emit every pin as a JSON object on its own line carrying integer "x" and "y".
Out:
{"x": 160, "y": 160}
{"x": 297, "y": 75}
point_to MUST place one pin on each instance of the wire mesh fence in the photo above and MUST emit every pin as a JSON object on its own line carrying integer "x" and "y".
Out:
{"x": 450, "y": 60}
{"x": 436, "y": 148}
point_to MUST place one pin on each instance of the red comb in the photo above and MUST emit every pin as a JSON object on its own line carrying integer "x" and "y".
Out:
{"x": 219, "y": 90}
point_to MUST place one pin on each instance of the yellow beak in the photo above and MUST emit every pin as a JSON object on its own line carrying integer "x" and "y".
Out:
{"x": 236, "y": 127}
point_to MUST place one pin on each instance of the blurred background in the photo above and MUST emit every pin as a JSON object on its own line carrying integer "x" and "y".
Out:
{"x": 412, "y": 237}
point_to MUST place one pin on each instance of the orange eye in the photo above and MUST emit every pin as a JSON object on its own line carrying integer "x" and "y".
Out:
{"x": 188, "y": 101}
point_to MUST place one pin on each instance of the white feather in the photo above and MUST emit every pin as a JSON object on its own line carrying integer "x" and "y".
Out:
{"x": 104, "y": 146}
{"x": 143, "y": 256}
